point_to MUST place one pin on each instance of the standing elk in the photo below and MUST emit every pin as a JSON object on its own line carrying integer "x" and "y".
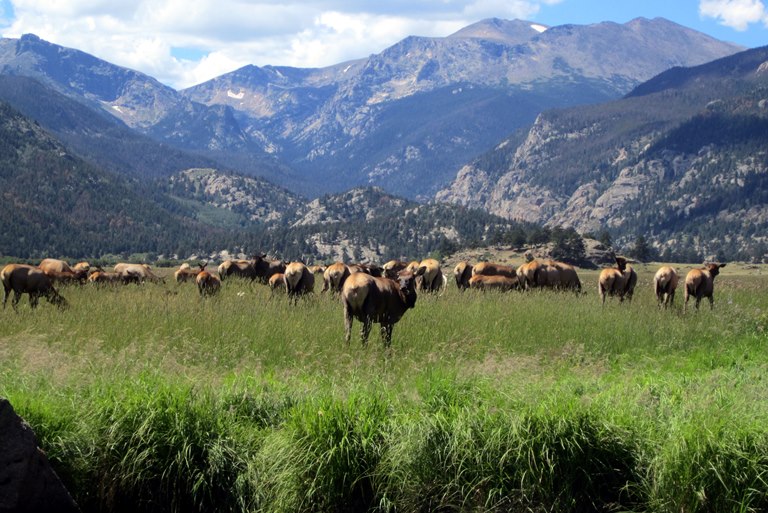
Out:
{"x": 700, "y": 283}
{"x": 371, "y": 299}
{"x": 61, "y": 272}
{"x": 299, "y": 280}
{"x": 391, "y": 268}
{"x": 276, "y": 282}
{"x": 334, "y": 277}
{"x": 136, "y": 273}
{"x": 185, "y": 273}
{"x": 664, "y": 284}
{"x": 492, "y": 282}
{"x": 26, "y": 279}
{"x": 208, "y": 284}
{"x": 462, "y": 273}
{"x": 257, "y": 268}
{"x": 617, "y": 281}
{"x": 432, "y": 278}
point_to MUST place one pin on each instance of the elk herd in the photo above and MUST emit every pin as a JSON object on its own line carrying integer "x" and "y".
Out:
{"x": 368, "y": 293}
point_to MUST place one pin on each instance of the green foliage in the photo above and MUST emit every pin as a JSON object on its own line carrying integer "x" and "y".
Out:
{"x": 147, "y": 398}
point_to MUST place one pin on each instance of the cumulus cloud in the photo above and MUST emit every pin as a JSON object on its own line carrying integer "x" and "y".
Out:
{"x": 737, "y": 14}
{"x": 218, "y": 36}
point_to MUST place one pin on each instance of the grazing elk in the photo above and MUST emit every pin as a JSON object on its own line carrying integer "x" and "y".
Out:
{"x": 104, "y": 278}
{"x": 26, "y": 279}
{"x": 334, "y": 277}
{"x": 700, "y": 283}
{"x": 462, "y": 273}
{"x": 136, "y": 273}
{"x": 257, "y": 268}
{"x": 549, "y": 273}
{"x": 391, "y": 268}
{"x": 492, "y": 282}
{"x": 432, "y": 278}
{"x": 299, "y": 280}
{"x": 371, "y": 299}
{"x": 617, "y": 281}
{"x": 664, "y": 284}
{"x": 491, "y": 269}
{"x": 185, "y": 273}
{"x": 276, "y": 282}
{"x": 61, "y": 272}
{"x": 208, "y": 284}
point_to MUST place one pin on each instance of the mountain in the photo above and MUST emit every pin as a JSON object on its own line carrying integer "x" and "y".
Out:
{"x": 407, "y": 117}
{"x": 55, "y": 203}
{"x": 404, "y": 119}
{"x": 681, "y": 160}
{"x": 94, "y": 134}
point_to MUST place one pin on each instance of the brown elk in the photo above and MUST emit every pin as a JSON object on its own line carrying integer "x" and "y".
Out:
{"x": 185, "y": 273}
{"x": 371, "y": 299}
{"x": 492, "y": 282}
{"x": 26, "y": 279}
{"x": 104, "y": 278}
{"x": 257, "y": 268}
{"x": 136, "y": 273}
{"x": 462, "y": 273}
{"x": 617, "y": 281}
{"x": 276, "y": 282}
{"x": 61, "y": 272}
{"x": 664, "y": 284}
{"x": 208, "y": 284}
{"x": 334, "y": 277}
{"x": 700, "y": 283}
{"x": 391, "y": 268}
{"x": 432, "y": 278}
{"x": 548, "y": 273}
{"x": 299, "y": 280}
{"x": 492, "y": 269}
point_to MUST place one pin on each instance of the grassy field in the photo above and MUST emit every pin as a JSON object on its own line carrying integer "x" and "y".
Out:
{"x": 148, "y": 398}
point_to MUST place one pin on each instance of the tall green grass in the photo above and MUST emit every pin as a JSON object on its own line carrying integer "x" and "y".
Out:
{"x": 149, "y": 398}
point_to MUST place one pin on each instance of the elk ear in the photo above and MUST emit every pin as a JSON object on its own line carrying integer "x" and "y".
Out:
{"x": 721, "y": 265}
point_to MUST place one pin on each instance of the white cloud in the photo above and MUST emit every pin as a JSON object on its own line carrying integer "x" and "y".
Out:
{"x": 737, "y": 14}
{"x": 229, "y": 34}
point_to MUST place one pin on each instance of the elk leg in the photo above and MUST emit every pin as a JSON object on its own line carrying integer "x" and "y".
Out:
{"x": 365, "y": 331}
{"x": 347, "y": 324}
{"x": 386, "y": 334}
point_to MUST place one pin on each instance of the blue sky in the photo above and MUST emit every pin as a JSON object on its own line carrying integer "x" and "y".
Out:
{"x": 185, "y": 42}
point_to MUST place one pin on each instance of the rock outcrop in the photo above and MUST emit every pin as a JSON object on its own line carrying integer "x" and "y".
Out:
{"x": 28, "y": 483}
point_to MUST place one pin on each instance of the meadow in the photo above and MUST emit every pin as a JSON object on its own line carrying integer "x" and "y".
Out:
{"x": 149, "y": 398}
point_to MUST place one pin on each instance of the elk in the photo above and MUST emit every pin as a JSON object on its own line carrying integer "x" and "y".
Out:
{"x": 432, "y": 278}
{"x": 61, "y": 272}
{"x": 257, "y": 268}
{"x": 371, "y": 299}
{"x": 492, "y": 282}
{"x": 700, "y": 283}
{"x": 208, "y": 284}
{"x": 664, "y": 284}
{"x": 298, "y": 280}
{"x": 26, "y": 279}
{"x": 549, "y": 273}
{"x": 136, "y": 273}
{"x": 276, "y": 281}
{"x": 491, "y": 269}
{"x": 617, "y": 281}
{"x": 462, "y": 273}
{"x": 391, "y": 268}
{"x": 185, "y": 273}
{"x": 334, "y": 277}
{"x": 104, "y": 278}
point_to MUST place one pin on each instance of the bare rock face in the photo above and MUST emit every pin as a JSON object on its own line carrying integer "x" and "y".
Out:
{"x": 27, "y": 481}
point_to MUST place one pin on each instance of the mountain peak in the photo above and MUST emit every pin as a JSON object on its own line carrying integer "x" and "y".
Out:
{"x": 507, "y": 31}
